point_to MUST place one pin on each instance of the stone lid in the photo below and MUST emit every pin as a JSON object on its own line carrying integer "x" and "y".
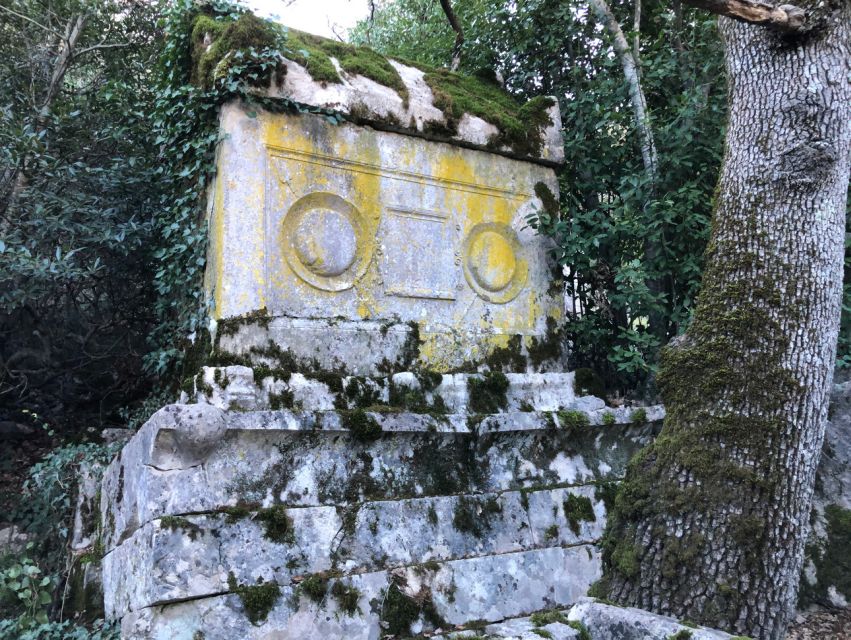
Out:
{"x": 388, "y": 94}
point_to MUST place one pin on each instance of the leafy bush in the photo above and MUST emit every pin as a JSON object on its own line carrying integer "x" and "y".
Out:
{"x": 20, "y": 630}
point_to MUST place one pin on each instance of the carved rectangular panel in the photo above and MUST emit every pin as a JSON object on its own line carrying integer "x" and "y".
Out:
{"x": 419, "y": 250}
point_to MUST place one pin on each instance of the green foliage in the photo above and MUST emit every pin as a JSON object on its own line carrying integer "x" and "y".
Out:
{"x": 76, "y": 208}
{"x": 30, "y": 583}
{"x": 843, "y": 354}
{"x": 588, "y": 383}
{"x": 24, "y": 584}
{"x": 45, "y": 508}
{"x": 609, "y": 214}
{"x": 99, "y": 630}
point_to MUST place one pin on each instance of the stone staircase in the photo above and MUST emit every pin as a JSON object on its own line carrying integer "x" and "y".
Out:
{"x": 361, "y": 507}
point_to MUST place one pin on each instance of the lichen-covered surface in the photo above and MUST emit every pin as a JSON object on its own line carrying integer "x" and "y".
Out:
{"x": 341, "y": 234}
{"x": 213, "y": 519}
{"x": 826, "y": 579}
{"x": 438, "y": 396}
{"x": 608, "y": 622}
{"x": 389, "y": 94}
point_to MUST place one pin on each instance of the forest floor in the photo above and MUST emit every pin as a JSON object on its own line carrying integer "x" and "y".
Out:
{"x": 827, "y": 624}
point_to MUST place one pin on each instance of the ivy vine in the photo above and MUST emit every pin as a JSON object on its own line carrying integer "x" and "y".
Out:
{"x": 185, "y": 121}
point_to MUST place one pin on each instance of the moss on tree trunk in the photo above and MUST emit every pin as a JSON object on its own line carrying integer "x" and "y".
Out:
{"x": 710, "y": 523}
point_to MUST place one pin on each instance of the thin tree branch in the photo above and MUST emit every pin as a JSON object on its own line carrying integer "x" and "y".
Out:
{"x": 636, "y": 28}
{"x": 102, "y": 45}
{"x": 784, "y": 17}
{"x": 459, "y": 33}
{"x": 636, "y": 93}
{"x": 30, "y": 20}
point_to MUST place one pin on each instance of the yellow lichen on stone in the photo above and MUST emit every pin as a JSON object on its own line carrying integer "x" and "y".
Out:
{"x": 346, "y": 222}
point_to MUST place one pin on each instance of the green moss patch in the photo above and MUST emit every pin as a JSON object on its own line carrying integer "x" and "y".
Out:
{"x": 257, "y": 600}
{"x": 347, "y": 597}
{"x": 474, "y": 516}
{"x": 832, "y": 560}
{"x": 177, "y": 523}
{"x": 573, "y": 419}
{"x": 363, "y": 427}
{"x": 487, "y": 392}
{"x": 581, "y": 628}
{"x": 246, "y": 32}
{"x": 521, "y": 126}
{"x": 547, "y": 198}
{"x": 543, "y": 618}
{"x": 277, "y": 524}
{"x": 578, "y": 509}
{"x": 399, "y": 611}
{"x": 315, "y": 586}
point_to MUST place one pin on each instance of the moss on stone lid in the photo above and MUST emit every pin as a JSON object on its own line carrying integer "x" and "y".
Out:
{"x": 520, "y": 125}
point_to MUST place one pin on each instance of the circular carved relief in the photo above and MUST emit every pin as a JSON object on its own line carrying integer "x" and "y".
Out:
{"x": 493, "y": 264}
{"x": 322, "y": 239}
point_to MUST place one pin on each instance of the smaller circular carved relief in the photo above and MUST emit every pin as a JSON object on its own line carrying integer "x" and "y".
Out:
{"x": 493, "y": 263}
{"x": 322, "y": 238}
{"x": 325, "y": 241}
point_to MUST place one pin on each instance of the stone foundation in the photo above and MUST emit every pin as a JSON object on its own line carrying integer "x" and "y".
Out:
{"x": 460, "y": 517}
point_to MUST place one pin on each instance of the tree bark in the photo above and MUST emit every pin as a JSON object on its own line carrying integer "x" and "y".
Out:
{"x": 784, "y": 17}
{"x": 711, "y": 520}
{"x": 446, "y": 5}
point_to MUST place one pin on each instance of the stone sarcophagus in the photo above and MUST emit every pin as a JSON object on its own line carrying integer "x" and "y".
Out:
{"x": 348, "y": 238}
{"x": 384, "y": 441}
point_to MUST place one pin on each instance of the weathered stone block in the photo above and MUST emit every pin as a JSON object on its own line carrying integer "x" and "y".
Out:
{"x": 609, "y": 622}
{"x": 335, "y": 231}
{"x": 309, "y": 459}
{"x": 484, "y": 588}
{"x": 355, "y": 539}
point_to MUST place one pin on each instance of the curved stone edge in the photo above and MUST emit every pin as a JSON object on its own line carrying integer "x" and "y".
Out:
{"x": 610, "y": 622}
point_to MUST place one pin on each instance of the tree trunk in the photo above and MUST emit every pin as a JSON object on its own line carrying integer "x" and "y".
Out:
{"x": 711, "y": 520}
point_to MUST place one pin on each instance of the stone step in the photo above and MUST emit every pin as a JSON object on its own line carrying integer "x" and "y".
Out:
{"x": 196, "y": 458}
{"x": 553, "y": 623}
{"x": 247, "y": 388}
{"x": 401, "y": 602}
{"x": 361, "y": 538}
